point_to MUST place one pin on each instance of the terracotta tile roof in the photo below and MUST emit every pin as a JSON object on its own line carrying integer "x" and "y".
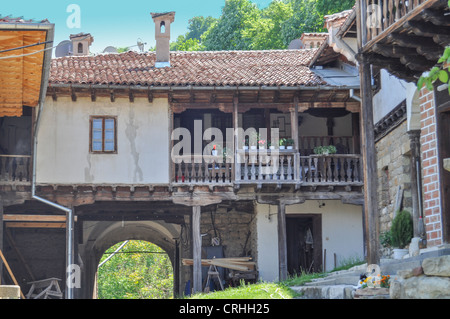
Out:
{"x": 206, "y": 68}
{"x": 9, "y": 19}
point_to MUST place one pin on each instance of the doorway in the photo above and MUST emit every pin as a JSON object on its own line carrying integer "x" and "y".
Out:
{"x": 304, "y": 243}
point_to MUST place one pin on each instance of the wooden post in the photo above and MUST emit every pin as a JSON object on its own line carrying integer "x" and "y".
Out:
{"x": 294, "y": 133}
{"x": 282, "y": 241}
{"x": 197, "y": 249}
{"x": 369, "y": 163}
{"x": 368, "y": 141}
{"x": 235, "y": 169}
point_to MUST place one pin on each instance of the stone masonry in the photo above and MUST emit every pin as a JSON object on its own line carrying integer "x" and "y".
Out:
{"x": 429, "y": 281}
{"x": 393, "y": 166}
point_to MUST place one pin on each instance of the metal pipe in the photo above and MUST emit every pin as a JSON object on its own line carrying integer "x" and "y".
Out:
{"x": 68, "y": 211}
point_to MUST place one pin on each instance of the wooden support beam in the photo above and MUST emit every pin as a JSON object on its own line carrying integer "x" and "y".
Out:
{"x": 369, "y": 160}
{"x": 196, "y": 249}
{"x": 34, "y": 225}
{"x": 282, "y": 241}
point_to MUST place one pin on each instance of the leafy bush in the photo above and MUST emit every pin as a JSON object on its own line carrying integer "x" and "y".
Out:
{"x": 402, "y": 229}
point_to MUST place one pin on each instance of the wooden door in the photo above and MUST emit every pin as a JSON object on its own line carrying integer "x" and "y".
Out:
{"x": 304, "y": 244}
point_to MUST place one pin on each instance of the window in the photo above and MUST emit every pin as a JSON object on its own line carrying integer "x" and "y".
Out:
{"x": 103, "y": 137}
{"x": 80, "y": 48}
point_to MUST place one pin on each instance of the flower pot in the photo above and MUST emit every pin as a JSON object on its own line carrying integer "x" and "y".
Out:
{"x": 399, "y": 253}
{"x": 290, "y": 147}
{"x": 272, "y": 147}
{"x": 282, "y": 147}
{"x": 253, "y": 147}
{"x": 246, "y": 147}
{"x": 214, "y": 153}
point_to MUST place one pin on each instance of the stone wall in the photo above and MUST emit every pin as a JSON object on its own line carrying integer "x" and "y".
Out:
{"x": 232, "y": 228}
{"x": 429, "y": 281}
{"x": 393, "y": 167}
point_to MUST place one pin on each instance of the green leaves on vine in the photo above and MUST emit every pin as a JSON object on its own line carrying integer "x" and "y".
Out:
{"x": 437, "y": 73}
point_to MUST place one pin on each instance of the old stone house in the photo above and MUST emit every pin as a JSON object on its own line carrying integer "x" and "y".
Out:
{"x": 124, "y": 150}
{"x": 398, "y": 42}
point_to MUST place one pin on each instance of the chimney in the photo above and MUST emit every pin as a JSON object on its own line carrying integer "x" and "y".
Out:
{"x": 81, "y": 43}
{"x": 162, "y": 35}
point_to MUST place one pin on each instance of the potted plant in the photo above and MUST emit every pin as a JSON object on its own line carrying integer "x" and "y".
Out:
{"x": 262, "y": 144}
{"x": 401, "y": 233}
{"x": 254, "y": 138}
{"x": 282, "y": 143}
{"x": 289, "y": 143}
{"x": 325, "y": 150}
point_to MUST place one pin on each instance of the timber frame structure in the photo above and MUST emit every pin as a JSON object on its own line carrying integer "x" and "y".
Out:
{"x": 407, "y": 38}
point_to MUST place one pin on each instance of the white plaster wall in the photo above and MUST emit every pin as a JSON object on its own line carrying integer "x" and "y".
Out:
{"x": 142, "y": 142}
{"x": 393, "y": 92}
{"x": 342, "y": 234}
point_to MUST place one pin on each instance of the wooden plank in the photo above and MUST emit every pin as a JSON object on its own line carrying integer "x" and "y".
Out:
{"x": 34, "y": 225}
{"x": 34, "y": 218}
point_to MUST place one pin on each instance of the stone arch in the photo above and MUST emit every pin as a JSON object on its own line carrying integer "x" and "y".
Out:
{"x": 103, "y": 235}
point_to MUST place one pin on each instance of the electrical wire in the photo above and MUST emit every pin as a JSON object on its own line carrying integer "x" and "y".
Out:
{"x": 24, "y": 55}
{"x": 25, "y": 46}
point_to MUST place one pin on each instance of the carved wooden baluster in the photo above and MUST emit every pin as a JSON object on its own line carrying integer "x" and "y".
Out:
{"x": 349, "y": 170}
{"x": 253, "y": 169}
{"x": 335, "y": 169}
{"x": 246, "y": 159}
{"x": 289, "y": 167}
{"x": 356, "y": 173}
{"x": 260, "y": 167}
{"x": 329, "y": 175}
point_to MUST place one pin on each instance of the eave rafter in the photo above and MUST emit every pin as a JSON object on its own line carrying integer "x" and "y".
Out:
{"x": 411, "y": 47}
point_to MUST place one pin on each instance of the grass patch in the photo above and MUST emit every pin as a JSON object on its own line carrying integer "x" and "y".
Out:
{"x": 275, "y": 290}
{"x": 262, "y": 290}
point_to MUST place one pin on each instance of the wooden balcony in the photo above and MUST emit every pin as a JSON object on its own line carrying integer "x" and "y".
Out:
{"x": 260, "y": 167}
{"x": 407, "y": 37}
{"x": 15, "y": 169}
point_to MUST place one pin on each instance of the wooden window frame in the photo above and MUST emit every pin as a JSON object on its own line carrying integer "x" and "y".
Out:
{"x": 91, "y": 129}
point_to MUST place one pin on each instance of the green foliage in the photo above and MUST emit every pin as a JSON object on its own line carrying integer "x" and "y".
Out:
{"x": 386, "y": 239}
{"x": 244, "y": 26}
{"x": 123, "y": 49}
{"x": 328, "y": 149}
{"x": 136, "y": 275}
{"x": 402, "y": 229}
{"x": 439, "y": 72}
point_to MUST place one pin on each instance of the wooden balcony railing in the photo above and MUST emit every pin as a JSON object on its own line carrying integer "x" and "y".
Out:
{"x": 15, "y": 168}
{"x": 265, "y": 167}
{"x": 198, "y": 169}
{"x": 381, "y": 14}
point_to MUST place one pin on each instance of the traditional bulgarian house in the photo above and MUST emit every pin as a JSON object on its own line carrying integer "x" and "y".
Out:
{"x": 398, "y": 41}
{"x": 173, "y": 148}
{"x": 25, "y": 55}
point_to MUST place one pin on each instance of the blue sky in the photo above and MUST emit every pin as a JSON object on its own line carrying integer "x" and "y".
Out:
{"x": 115, "y": 23}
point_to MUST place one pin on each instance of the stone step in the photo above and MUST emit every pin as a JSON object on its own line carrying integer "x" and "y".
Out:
{"x": 325, "y": 292}
{"x": 336, "y": 280}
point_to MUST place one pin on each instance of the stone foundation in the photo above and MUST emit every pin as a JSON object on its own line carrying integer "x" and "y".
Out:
{"x": 429, "y": 281}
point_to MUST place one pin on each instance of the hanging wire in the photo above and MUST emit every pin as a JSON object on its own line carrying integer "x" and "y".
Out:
{"x": 23, "y": 55}
{"x": 25, "y": 46}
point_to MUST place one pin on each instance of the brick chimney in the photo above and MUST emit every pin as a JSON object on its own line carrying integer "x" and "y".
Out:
{"x": 162, "y": 35}
{"x": 81, "y": 43}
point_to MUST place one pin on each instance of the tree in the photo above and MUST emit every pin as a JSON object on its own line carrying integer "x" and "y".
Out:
{"x": 130, "y": 275}
{"x": 264, "y": 32}
{"x": 325, "y": 7}
{"x": 197, "y": 26}
{"x": 227, "y": 32}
